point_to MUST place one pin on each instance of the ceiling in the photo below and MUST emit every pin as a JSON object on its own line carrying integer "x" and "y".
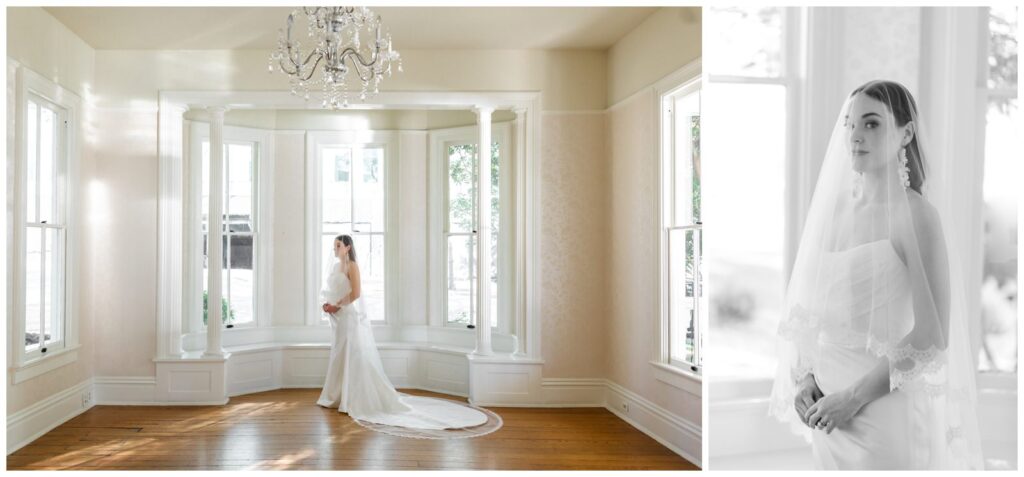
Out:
{"x": 203, "y": 28}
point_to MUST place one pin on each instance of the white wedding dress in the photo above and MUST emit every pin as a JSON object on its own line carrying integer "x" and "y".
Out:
{"x": 880, "y": 435}
{"x": 356, "y": 383}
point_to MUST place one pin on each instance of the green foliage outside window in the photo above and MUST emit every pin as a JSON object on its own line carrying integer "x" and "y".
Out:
{"x": 227, "y": 316}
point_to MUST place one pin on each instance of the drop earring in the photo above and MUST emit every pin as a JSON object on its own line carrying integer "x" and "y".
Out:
{"x": 903, "y": 169}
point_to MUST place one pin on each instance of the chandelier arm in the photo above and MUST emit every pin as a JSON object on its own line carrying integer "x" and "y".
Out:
{"x": 358, "y": 65}
{"x": 285, "y": 70}
{"x": 352, "y": 52}
{"x": 313, "y": 69}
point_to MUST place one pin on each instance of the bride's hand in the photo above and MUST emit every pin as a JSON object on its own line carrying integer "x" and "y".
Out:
{"x": 329, "y": 308}
{"x": 807, "y": 394}
{"x": 833, "y": 410}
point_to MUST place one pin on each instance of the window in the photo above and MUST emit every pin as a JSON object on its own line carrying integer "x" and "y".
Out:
{"x": 997, "y": 82}
{"x": 353, "y": 204}
{"x": 747, "y": 90}
{"x": 244, "y": 262}
{"x": 44, "y": 225}
{"x": 681, "y": 226}
{"x": 350, "y": 176}
{"x": 454, "y": 155}
{"x": 460, "y": 233}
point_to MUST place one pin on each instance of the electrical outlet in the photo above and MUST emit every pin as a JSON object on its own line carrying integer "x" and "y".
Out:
{"x": 625, "y": 406}
{"x": 86, "y": 398}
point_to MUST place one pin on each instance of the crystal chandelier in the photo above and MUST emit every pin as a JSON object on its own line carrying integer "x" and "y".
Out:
{"x": 336, "y": 37}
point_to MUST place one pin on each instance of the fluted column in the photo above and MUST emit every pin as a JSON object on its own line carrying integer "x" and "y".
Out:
{"x": 483, "y": 233}
{"x": 518, "y": 272}
{"x": 215, "y": 234}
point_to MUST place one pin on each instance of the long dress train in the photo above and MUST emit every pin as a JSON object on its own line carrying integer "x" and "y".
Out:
{"x": 356, "y": 383}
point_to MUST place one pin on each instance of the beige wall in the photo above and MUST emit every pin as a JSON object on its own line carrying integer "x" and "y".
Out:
{"x": 38, "y": 42}
{"x": 574, "y": 244}
{"x": 633, "y": 251}
{"x": 667, "y": 40}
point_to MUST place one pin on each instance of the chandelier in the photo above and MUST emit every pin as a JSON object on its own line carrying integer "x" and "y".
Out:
{"x": 336, "y": 37}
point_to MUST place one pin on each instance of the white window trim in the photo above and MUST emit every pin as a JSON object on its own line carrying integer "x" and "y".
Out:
{"x": 262, "y": 238}
{"x": 437, "y": 205}
{"x": 314, "y": 200}
{"x": 684, "y": 80}
{"x": 24, "y": 366}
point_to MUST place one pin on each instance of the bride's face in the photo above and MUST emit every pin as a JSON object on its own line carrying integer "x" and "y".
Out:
{"x": 869, "y": 135}
{"x": 340, "y": 249}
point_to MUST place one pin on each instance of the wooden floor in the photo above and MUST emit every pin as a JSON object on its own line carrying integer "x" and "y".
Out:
{"x": 285, "y": 429}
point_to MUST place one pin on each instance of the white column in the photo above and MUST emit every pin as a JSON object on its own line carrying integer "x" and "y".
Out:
{"x": 519, "y": 255}
{"x": 170, "y": 247}
{"x": 483, "y": 233}
{"x": 215, "y": 234}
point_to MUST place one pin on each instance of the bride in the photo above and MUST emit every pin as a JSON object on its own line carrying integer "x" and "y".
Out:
{"x": 356, "y": 383}
{"x": 875, "y": 365}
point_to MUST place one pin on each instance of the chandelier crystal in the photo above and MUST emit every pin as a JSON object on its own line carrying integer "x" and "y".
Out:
{"x": 336, "y": 35}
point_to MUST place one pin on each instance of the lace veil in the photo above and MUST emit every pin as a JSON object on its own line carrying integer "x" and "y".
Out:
{"x": 875, "y": 270}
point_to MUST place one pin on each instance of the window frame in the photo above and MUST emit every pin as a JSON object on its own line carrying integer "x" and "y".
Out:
{"x": 687, "y": 376}
{"x": 32, "y": 86}
{"x": 315, "y": 142}
{"x": 440, "y": 140}
{"x": 263, "y": 162}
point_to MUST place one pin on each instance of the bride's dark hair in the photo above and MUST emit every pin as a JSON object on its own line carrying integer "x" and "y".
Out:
{"x": 901, "y": 104}
{"x": 347, "y": 240}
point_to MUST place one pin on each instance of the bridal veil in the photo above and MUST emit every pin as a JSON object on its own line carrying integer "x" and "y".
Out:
{"x": 875, "y": 232}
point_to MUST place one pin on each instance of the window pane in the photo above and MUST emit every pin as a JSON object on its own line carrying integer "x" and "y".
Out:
{"x": 682, "y": 306}
{"x": 999, "y": 285}
{"x": 744, "y": 41}
{"x": 229, "y": 310}
{"x": 336, "y": 188}
{"x": 240, "y": 186}
{"x": 47, "y": 284}
{"x": 461, "y": 274}
{"x": 54, "y": 286}
{"x": 241, "y": 278}
{"x": 32, "y": 163}
{"x": 369, "y": 191}
{"x": 747, "y": 248}
{"x": 461, "y": 187}
{"x": 370, "y": 255}
{"x": 33, "y": 286}
{"x": 687, "y": 159}
{"x": 1002, "y": 47}
{"x": 327, "y": 258}
{"x": 47, "y": 157}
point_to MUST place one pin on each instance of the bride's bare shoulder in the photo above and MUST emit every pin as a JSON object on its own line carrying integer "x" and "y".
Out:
{"x": 925, "y": 218}
{"x": 924, "y": 213}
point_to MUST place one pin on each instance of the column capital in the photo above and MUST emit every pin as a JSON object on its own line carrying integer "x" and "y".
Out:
{"x": 216, "y": 110}
{"x": 482, "y": 111}
{"x": 520, "y": 112}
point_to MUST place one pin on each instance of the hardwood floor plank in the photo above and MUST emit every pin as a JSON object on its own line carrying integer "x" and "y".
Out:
{"x": 284, "y": 429}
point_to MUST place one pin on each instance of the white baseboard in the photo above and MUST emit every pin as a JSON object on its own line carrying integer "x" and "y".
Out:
{"x": 678, "y": 434}
{"x": 125, "y": 390}
{"x": 573, "y": 392}
{"x": 32, "y": 422}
